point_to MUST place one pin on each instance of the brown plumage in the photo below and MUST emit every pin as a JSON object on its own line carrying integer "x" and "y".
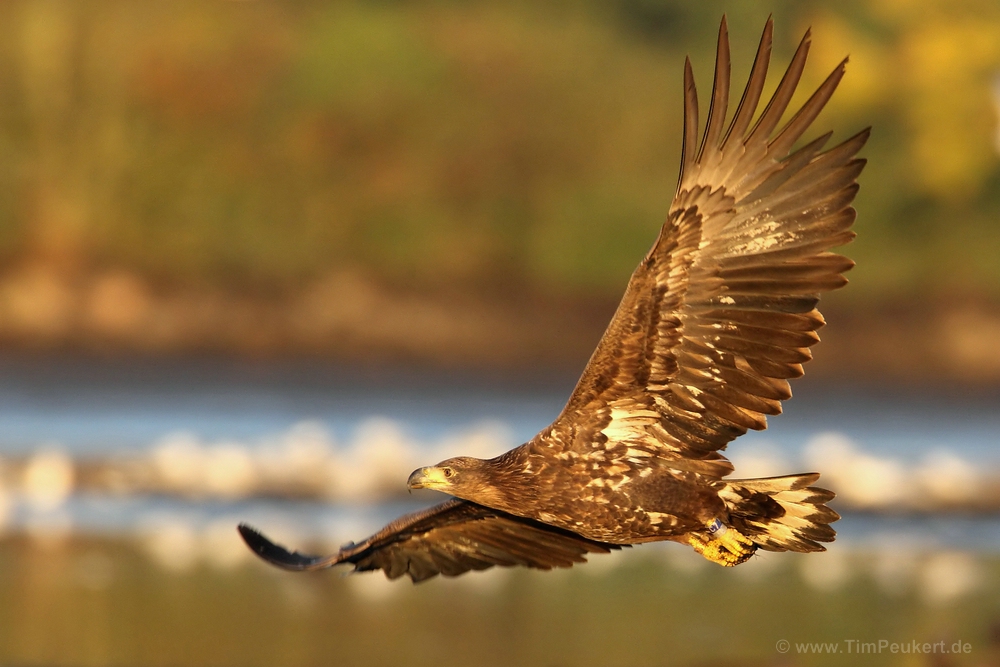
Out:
{"x": 715, "y": 320}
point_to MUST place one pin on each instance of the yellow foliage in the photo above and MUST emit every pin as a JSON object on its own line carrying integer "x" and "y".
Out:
{"x": 948, "y": 69}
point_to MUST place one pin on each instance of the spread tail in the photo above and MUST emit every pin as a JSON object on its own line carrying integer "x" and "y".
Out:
{"x": 781, "y": 513}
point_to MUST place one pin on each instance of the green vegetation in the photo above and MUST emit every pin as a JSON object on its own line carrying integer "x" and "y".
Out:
{"x": 506, "y": 147}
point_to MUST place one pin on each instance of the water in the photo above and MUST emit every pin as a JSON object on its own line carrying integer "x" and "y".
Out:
{"x": 371, "y": 426}
{"x": 107, "y": 603}
{"x": 93, "y": 407}
{"x": 130, "y": 578}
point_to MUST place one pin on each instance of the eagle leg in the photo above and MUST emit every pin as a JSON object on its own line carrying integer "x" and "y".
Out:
{"x": 720, "y": 544}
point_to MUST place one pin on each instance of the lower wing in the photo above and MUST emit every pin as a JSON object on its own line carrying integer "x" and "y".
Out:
{"x": 451, "y": 538}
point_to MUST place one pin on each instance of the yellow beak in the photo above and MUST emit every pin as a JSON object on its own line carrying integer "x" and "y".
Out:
{"x": 427, "y": 478}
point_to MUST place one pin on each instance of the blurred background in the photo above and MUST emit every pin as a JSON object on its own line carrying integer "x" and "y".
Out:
{"x": 258, "y": 261}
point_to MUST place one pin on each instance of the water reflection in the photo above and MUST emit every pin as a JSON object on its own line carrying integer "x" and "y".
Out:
{"x": 307, "y": 461}
{"x": 122, "y": 602}
{"x": 121, "y": 549}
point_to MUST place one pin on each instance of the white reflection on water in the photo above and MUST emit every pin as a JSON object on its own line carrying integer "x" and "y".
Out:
{"x": 47, "y": 478}
{"x": 938, "y": 559}
{"x": 307, "y": 461}
{"x": 214, "y": 437}
{"x": 372, "y": 464}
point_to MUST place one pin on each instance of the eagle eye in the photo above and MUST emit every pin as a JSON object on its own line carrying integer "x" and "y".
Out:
{"x": 448, "y": 472}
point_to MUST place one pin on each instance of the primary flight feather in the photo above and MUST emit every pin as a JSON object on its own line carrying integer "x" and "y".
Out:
{"x": 715, "y": 320}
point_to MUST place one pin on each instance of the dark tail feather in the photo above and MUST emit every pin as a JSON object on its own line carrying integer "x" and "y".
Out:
{"x": 781, "y": 513}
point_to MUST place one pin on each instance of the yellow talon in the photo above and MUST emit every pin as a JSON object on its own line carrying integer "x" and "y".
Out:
{"x": 725, "y": 546}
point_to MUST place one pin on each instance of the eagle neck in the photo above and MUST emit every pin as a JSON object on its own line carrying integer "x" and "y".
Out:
{"x": 506, "y": 484}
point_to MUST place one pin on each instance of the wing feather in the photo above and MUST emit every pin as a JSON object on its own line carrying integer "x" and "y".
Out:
{"x": 721, "y": 312}
{"x": 720, "y": 93}
{"x": 752, "y": 92}
{"x": 449, "y": 539}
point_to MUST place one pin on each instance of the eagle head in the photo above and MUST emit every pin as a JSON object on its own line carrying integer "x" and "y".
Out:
{"x": 451, "y": 476}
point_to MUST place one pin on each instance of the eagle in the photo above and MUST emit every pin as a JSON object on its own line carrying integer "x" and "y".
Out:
{"x": 718, "y": 317}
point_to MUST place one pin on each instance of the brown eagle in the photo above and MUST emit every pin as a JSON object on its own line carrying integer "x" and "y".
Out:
{"x": 716, "y": 319}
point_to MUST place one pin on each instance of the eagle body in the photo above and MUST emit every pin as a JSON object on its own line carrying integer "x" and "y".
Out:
{"x": 606, "y": 494}
{"x": 717, "y": 318}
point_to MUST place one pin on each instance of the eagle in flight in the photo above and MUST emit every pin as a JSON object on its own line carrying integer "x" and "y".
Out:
{"x": 719, "y": 315}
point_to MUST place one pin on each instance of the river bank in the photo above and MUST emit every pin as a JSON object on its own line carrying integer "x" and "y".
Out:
{"x": 346, "y": 316}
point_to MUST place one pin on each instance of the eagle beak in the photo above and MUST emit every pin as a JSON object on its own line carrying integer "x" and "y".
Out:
{"x": 426, "y": 478}
{"x": 417, "y": 477}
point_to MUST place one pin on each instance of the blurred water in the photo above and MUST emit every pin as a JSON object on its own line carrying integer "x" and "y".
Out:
{"x": 90, "y": 407}
{"x": 161, "y": 577}
{"x": 216, "y": 429}
{"x": 93, "y": 407}
{"x": 89, "y": 602}
{"x": 327, "y": 526}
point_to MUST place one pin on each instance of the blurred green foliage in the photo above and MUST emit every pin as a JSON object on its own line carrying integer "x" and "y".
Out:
{"x": 500, "y": 147}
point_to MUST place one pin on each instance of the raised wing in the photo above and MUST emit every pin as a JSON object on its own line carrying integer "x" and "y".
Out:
{"x": 721, "y": 311}
{"x": 451, "y": 538}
